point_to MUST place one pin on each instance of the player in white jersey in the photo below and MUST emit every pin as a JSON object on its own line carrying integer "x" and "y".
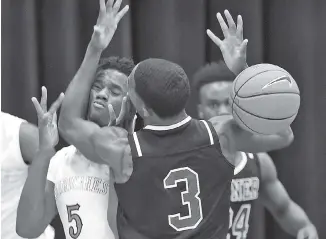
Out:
{"x": 255, "y": 175}
{"x": 19, "y": 143}
{"x": 75, "y": 187}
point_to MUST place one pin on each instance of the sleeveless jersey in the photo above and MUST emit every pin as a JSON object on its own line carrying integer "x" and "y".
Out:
{"x": 180, "y": 185}
{"x": 82, "y": 194}
{"x": 244, "y": 191}
{"x": 13, "y": 176}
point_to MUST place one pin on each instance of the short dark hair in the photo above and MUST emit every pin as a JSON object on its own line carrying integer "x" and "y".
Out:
{"x": 163, "y": 86}
{"x": 122, "y": 64}
{"x": 212, "y": 72}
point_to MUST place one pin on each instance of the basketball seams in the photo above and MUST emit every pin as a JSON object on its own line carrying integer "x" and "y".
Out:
{"x": 236, "y": 92}
{"x": 270, "y": 93}
{"x": 246, "y": 124}
{"x": 261, "y": 116}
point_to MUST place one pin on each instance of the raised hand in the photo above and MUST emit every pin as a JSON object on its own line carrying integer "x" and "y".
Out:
{"x": 233, "y": 47}
{"x": 47, "y": 120}
{"x": 107, "y": 22}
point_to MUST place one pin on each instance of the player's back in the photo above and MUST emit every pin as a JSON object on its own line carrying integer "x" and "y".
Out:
{"x": 244, "y": 192}
{"x": 180, "y": 185}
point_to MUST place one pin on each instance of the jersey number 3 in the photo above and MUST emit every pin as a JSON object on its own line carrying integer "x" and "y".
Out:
{"x": 73, "y": 216}
{"x": 189, "y": 197}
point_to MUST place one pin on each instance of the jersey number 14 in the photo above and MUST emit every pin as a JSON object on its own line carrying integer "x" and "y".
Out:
{"x": 240, "y": 224}
{"x": 190, "y": 198}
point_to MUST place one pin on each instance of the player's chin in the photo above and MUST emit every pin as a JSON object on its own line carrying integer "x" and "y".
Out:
{"x": 100, "y": 118}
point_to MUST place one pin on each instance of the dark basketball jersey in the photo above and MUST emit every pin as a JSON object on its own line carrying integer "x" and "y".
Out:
{"x": 180, "y": 185}
{"x": 244, "y": 192}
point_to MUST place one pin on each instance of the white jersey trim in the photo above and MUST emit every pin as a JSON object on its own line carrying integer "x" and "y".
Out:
{"x": 168, "y": 127}
{"x": 242, "y": 164}
{"x": 137, "y": 145}
{"x": 209, "y": 132}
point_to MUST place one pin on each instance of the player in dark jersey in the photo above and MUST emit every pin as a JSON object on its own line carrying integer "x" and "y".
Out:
{"x": 174, "y": 179}
{"x": 255, "y": 174}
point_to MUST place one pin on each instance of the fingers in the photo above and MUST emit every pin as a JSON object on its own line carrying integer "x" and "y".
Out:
{"x": 117, "y": 5}
{"x": 240, "y": 27}
{"x": 230, "y": 21}
{"x": 109, "y": 4}
{"x": 113, "y": 117}
{"x": 122, "y": 111}
{"x": 37, "y": 106}
{"x": 223, "y": 25}
{"x": 55, "y": 106}
{"x": 243, "y": 46}
{"x": 122, "y": 13}
{"x": 214, "y": 38}
{"x": 44, "y": 99}
{"x": 102, "y": 6}
{"x": 55, "y": 118}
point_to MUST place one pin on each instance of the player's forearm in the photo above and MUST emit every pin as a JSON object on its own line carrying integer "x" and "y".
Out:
{"x": 292, "y": 218}
{"x": 32, "y": 203}
{"x": 276, "y": 141}
{"x": 75, "y": 103}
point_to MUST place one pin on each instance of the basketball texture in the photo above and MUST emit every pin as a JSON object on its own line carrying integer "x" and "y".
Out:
{"x": 265, "y": 99}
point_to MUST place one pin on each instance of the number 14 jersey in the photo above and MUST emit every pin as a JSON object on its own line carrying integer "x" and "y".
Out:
{"x": 180, "y": 185}
{"x": 244, "y": 191}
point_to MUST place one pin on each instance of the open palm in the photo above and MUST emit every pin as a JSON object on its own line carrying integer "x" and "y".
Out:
{"x": 47, "y": 120}
{"x": 107, "y": 22}
{"x": 233, "y": 47}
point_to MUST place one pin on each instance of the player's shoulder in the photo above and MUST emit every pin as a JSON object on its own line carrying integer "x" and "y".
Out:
{"x": 267, "y": 167}
{"x": 64, "y": 153}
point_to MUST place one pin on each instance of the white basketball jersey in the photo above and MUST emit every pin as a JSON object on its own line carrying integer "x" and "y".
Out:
{"x": 82, "y": 194}
{"x": 13, "y": 176}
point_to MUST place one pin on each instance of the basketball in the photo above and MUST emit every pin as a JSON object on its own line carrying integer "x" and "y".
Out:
{"x": 265, "y": 99}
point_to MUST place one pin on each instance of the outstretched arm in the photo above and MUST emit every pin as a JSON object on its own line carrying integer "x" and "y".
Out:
{"x": 233, "y": 138}
{"x": 72, "y": 124}
{"x": 273, "y": 195}
{"x": 37, "y": 207}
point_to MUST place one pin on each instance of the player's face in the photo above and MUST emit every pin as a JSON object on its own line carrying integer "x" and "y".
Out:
{"x": 214, "y": 99}
{"x": 109, "y": 88}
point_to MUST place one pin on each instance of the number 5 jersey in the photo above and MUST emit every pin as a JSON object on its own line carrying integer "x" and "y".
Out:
{"x": 82, "y": 194}
{"x": 244, "y": 191}
{"x": 180, "y": 185}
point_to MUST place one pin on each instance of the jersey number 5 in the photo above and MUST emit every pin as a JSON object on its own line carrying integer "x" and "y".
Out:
{"x": 189, "y": 197}
{"x": 73, "y": 216}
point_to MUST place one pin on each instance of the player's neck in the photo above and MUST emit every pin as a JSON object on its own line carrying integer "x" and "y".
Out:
{"x": 237, "y": 158}
{"x": 156, "y": 121}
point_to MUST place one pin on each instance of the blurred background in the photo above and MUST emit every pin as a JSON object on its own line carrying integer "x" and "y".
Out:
{"x": 44, "y": 41}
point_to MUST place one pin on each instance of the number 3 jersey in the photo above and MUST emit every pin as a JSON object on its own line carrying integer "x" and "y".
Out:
{"x": 180, "y": 185}
{"x": 244, "y": 191}
{"x": 82, "y": 194}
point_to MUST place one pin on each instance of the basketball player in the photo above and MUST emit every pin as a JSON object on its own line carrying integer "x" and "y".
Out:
{"x": 255, "y": 174}
{"x": 173, "y": 179}
{"x": 19, "y": 143}
{"x": 76, "y": 188}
